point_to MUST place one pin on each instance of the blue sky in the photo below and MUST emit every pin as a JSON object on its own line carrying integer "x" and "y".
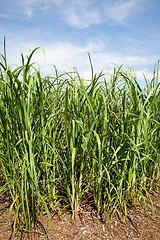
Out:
{"x": 119, "y": 32}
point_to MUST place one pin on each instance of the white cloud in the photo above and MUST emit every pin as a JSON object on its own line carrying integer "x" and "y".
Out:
{"x": 136, "y": 59}
{"x": 28, "y": 7}
{"x": 66, "y": 55}
{"x": 121, "y": 9}
{"x": 80, "y": 14}
{"x": 83, "y": 13}
{"x": 141, "y": 73}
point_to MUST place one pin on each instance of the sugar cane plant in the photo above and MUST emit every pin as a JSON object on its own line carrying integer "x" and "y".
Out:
{"x": 65, "y": 141}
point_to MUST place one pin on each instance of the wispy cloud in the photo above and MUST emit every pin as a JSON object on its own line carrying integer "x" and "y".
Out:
{"x": 82, "y": 13}
{"x": 121, "y": 10}
{"x": 66, "y": 55}
{"x": 26, "y": 7}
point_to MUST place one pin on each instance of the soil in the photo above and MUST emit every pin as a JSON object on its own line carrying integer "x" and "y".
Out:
{"x": 86, "y": 225}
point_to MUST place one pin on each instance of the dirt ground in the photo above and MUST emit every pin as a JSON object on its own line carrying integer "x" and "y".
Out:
{"x": 87, "y": 226}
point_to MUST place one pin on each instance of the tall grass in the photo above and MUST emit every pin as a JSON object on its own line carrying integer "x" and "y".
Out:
{"x": 67, "y": 141}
